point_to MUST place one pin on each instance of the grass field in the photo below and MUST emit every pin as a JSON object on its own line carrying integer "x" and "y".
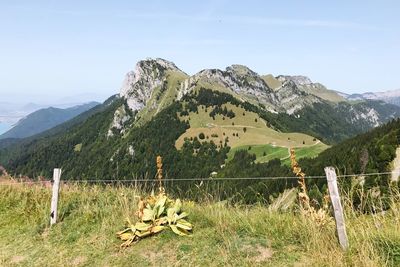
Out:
{"x": 311, "y": 151}
{"x": 224, "y": 235}
{"x": 246, "y": 130}
{"x": 256, "y": 132}
{"x": 263, "y": 153}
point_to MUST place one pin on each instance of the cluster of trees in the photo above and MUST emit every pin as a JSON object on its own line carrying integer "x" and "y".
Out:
{"x": 222, "y": 111}
{"x": 370, "y": 152}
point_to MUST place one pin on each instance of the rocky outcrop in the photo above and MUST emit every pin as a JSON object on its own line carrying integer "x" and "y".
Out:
{"x": 297, "y": 79}
{"x": 139, "y": 84}
{"x": 248, "y": 85}
{"x": 366, "y": 114}
{"x": 138, "y": 88}
{"x": 121, "y": 118}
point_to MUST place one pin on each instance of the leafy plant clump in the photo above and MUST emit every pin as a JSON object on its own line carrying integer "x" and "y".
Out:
{"x": 155, "y": 214}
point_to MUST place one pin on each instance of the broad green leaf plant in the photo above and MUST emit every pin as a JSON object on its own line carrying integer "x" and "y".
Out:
{"x": 156, "y": 214}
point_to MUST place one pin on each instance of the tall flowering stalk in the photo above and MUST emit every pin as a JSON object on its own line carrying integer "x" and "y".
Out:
{"x": 303, "y": 196}
{"x": 321, "y": 216}
{"x": 160, "y": 175}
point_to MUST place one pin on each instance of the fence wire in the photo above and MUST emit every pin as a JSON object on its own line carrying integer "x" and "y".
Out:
{"x": 208, "y": 179}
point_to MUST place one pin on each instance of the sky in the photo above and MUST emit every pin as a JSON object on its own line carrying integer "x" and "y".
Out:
{"x": 57, "y": 50}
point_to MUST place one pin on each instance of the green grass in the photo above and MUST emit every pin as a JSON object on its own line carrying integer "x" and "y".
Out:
{"x": 257, "y": 133}
{"x": 271, "y": 152}
{"x": 224, "y": 235}
{"x": 276, "y": 152}
{"x": 311, "y": 151}
{"x": 307, "y": 152}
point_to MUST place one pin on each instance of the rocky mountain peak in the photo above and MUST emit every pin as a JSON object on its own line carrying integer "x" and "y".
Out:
{"x": 281, "y": 94}
{"x": 240, "y": 70}
{"x": 297, "y": 79}
{"x": 139, "y": 84}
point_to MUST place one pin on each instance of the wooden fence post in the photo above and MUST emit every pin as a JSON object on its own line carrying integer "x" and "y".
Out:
{"x": 54, "y": 198}
{"x": 337, "y": 206}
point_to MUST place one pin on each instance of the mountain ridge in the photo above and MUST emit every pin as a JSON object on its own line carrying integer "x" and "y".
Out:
{"x": 44, "y": 119}
{"x": 151, "y": 81}
{"x": 391, "y": 96}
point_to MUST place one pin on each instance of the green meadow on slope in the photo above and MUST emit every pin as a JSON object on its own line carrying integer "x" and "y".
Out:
{"x": 247, "y": 130}
{"x": 265, "y": 153}
{"x": 224, "y": 235}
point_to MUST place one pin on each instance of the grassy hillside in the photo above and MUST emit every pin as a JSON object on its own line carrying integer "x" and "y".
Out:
{"x": 224, "y": 235}
{"x": 247, "y": 129}
{"x": 265, "y": 153}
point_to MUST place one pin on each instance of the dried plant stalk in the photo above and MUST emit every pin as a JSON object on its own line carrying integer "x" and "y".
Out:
{"x": 160, "y": 175}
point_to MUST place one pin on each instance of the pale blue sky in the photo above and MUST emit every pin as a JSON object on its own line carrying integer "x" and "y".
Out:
{"x": 54, "y": 49}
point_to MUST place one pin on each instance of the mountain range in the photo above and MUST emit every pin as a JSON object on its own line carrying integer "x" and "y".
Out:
{"x": 392, "y": 97}
{"x": 197, "y": 123}
{"x": 44, "y": 119}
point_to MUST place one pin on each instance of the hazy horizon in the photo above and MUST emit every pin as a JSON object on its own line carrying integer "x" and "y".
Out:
{"x": 52, "y": 50}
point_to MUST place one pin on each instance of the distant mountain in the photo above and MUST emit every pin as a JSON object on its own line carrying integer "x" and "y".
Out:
{"x": 392, "y": 97}
{"x": 194, "y": 121}
{"x": 44, "y": 119}
{"x": 11, "y": 113}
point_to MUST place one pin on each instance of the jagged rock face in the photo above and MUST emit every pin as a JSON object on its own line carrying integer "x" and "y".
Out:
{"x": 139, "y": 84}
{"x": 121, "y": 117}
{"x": 250, "y": 86}
{"x": 238, "y": 79}
{"x": 297, "y": 79}
{"x": 366, "y": 115}
{"x": 293, "y": 98}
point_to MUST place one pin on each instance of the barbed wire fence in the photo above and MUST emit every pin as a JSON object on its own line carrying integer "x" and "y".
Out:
{"x": 330, "y": 176}
{"x": 198, "y": 179}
